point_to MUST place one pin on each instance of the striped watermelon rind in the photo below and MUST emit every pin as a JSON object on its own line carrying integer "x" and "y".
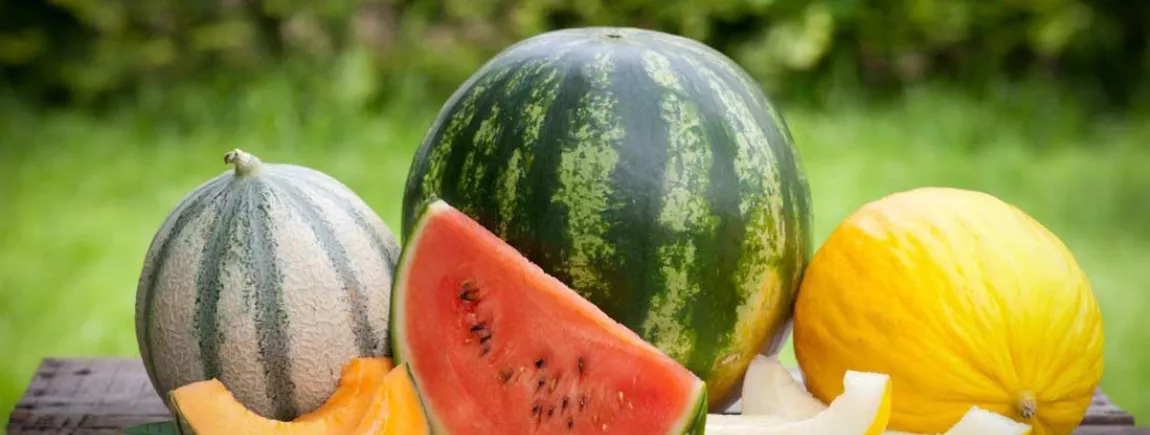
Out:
{"x": 645, "y": 170}
{"x": 270, "y": 278}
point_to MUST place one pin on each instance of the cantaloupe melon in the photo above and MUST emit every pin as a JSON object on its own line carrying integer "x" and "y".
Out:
{"x": 268, "y": 278}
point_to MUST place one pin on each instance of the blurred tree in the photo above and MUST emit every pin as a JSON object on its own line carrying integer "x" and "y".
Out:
{"x": 82, "y": 50}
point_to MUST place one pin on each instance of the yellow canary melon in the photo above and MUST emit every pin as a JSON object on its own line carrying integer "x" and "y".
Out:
{"x": 862, "y": 409}
{"x": 964, "y": 299}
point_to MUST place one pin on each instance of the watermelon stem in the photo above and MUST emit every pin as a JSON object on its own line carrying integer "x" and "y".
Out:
{"x": 246, "y": 164}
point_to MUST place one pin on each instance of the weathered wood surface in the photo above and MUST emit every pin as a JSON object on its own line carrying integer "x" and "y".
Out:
{"x": 86, "y": 396}
{"x": 104, "y": 395}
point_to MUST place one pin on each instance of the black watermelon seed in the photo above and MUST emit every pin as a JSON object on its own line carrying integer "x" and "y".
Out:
{"x": 467, "y": 291}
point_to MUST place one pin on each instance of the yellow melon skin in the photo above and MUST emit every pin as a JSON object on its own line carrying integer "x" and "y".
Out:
{"x": 964, "y": 300}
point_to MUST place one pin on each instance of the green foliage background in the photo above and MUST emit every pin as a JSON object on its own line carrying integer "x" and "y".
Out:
{"x": 112, "y": 110}
{"x": 91, "y": 48}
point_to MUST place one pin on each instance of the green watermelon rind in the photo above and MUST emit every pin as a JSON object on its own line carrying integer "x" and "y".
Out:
{"x": 697, "y": 422}
{"x": 398, "y": 349}
{"x": 691, "y": 423}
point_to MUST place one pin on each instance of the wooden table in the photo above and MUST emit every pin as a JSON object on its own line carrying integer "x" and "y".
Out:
{"x": 104, "y": 395}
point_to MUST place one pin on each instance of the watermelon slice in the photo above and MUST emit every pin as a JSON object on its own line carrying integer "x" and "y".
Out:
{"x": 497, "y": 346}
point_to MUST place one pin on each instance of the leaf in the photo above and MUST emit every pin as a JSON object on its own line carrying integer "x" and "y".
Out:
{"x": 168, "y": 427}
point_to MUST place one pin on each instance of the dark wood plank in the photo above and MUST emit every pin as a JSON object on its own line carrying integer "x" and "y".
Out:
{"x": 93, "y": 396}
{"x": 86, "y": 396}
{"x": 1102, "y": 413}
{"x": 1111, "y": 430}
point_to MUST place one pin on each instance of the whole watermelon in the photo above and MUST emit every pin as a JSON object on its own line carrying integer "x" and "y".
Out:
{"x": 648, "y": 172}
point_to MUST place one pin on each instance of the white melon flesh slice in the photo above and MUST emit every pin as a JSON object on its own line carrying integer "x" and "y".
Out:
{"x": 862, "y": 409}
{"x": 978, "y": 421}
{"x": 773, "y": 397}
{"x": 770, "y": 389}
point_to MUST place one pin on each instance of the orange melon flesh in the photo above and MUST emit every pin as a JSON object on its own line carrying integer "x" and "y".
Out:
{"x": 358, "y": 383}
{"x": 488, "y": 336}
{"x": 208, "y": 408}
{"x": 396, "y": 409}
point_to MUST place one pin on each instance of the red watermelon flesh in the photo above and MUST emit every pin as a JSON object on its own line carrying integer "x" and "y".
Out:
{"x": 497, "y": 346}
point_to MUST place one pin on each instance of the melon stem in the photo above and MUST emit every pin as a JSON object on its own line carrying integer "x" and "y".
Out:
{"x": 246, "y": 164}
{"x": 1027, "y": 404}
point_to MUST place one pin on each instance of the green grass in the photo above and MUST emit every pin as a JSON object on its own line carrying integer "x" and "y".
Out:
{"x": 81, "y": 196}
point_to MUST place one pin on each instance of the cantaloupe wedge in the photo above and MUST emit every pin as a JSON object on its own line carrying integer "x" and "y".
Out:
{"x": 208, "y": 408}
{"x": 396, "y": 409}
{"x": 862, "y": 409}
{"x": 773, "y": 395}
{"x": 359, "y": 378}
